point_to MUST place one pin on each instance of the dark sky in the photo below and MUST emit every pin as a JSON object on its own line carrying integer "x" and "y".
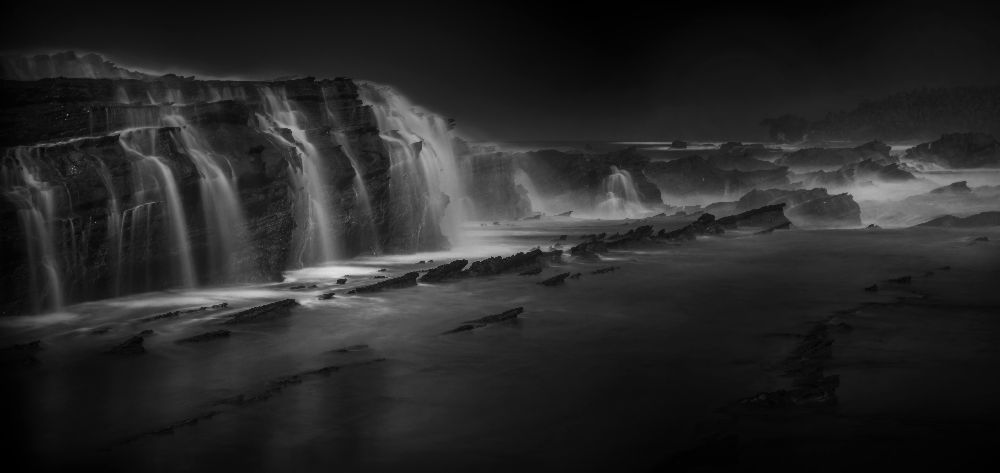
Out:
{"x": 519, "y": 71}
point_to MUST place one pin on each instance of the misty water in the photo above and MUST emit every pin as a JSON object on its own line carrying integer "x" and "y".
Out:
{"x": 618, "y": 369}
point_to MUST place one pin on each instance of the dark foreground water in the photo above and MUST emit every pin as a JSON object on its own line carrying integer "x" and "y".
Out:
{"x": 612, "y": 371}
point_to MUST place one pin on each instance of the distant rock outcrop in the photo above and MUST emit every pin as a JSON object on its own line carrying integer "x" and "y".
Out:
{"x": 833, "y": 158}
{"x": 959, "y": 150}
{"x": 985, "y": 219}
{"x": 807, "y": 208}
{"x": 864, "y": 172}
{"x": 960, "y": 187}
{"x": 695, "y": 175}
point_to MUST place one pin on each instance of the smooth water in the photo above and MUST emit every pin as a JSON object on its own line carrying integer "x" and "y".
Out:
{"x": 609, "y": 371}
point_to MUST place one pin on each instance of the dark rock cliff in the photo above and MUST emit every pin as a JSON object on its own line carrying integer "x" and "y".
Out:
{"x": 108, "y": 220}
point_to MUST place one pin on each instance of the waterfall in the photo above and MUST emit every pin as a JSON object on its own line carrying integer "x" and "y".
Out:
{"x": 36, "y": 205}
{"x": 319, "y": 243}
{"x": 362, "y": 196}
{"x": 155, "y": 179}
{"x": 221, "y": 207}
{"x": 114, "y": 228}
{"x": 621, "y": 199}
{"x": 423, "y": 161}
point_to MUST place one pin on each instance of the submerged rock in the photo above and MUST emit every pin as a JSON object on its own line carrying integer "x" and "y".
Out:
{"x": 445, "y": 271}
{"x": 262, "y": 312}
{"x": 530, "y": 272}
{"x": 406, "y": 280}
{"x": 488, "y": 320}
{"x": 207, "y": 336}
{"x": 132, "y": 346}
{"x": 555, "y": 280}
{"x": 984, "y": 219}
{"x": 519, "y": 261}
{"x": 605, "y": 270}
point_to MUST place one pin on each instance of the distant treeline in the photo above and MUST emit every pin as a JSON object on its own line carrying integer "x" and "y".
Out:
{"x": 921, "y": 114}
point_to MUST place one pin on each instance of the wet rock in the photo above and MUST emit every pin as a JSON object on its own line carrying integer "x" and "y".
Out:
{"x": 530, "y": 272}
{"x": 872, "y": 288}
{"x": 34, "y": 345}
{"x": 382, "y": 270}
{"x": 101, "y": 330}
{"x": 980, "y": 239}
{"x": 873, "y": 227}
{"x": 517, "y": 262}
{"x": 262, "y": 312}
{"x": 678, "y": 144}
{"x": 576, "y": 275}
{"x": 326, "y": 296}
{"x": 605, "y": 270}
{"x": 806, "y": 207}
{"x": 342, "y": 281}
{"x": 175, "y": 313}
{"x": 555, "y": 280}
{"x": 704, "y": 225}
{"x": 984, "y": 219}
{"x": 444, "y": 272}
{"x": 812, "y": 158}
{"x": 960, "y": 187}
{"x": 780, "y": 226}
{"x": 406, "y": 280}
{"x": 565, "y": 214}
{"x": 589, "y": 249}
{"x": 769, "y": 216}
{"x": 504, "y": 316}
{"x": 379, "y": 277}
{"x": 132, "y": 346}
{"x": 205, "y": 337}
{"x": 351, "y": 348}
{"x": 302, "y": 287}
{"x": 959, "y": 150}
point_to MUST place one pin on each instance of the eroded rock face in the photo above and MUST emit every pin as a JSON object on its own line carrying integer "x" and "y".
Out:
{"x": 959, "y": 150}
{"x": 582, "y": 176}
{"x": 860, "y": 173}
{"x": 984, "y": 219}
{"x": 807, "y": 208}
{"x": 833, "y": 158}
{"x": 111, "y": 236}
{"x": 492, "y": 187}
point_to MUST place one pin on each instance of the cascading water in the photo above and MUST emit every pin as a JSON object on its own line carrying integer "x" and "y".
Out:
{"x": 362, "y": 196}
{"x": 621, "y": 197}
{"x": 424, "y": 165}
{"x": 319, "y": 243}
{"x": 155, "y": 184}
{"x": 36, "y": 203}
{"x": 222, "y": 210}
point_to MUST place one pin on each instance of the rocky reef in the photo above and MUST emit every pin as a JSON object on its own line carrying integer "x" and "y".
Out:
{"x": 833, "y": 158}
{"x": 804, "y": 207}
{"x": 959, "y": 150}
{"x": 695, "y": 175}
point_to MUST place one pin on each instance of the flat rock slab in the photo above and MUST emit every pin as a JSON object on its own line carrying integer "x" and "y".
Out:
{"x": 406, "y": 280}
{"x": 262, "y": 312}
{"x": 555, "y": 280}
{"x": 488, "y": 320}
{"x": 205, "y": 337}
